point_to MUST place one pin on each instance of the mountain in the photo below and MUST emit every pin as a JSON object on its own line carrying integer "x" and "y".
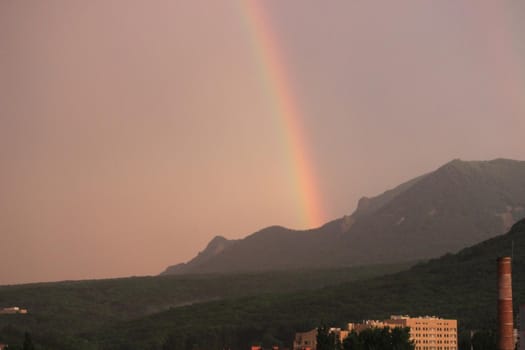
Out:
{"x": 457, "y": 205}
{"x": 216, "y": 246}
{"x": 460, "y": 286}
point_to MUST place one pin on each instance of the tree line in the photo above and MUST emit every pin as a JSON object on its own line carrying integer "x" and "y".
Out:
{"x": 369, "y": 339}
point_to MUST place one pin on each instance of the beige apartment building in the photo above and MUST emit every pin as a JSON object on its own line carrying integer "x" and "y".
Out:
{"x": 427, "y": 332}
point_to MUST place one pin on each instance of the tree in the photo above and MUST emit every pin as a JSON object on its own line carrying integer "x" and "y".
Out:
{"x": 326, "y": 340}
{"x": 484, "y": 340}
{"x": 379, "y": 339}
{"x": 372, "y": 339}
{"x": 400, "y": 338}
{"x": 28, "y": 343}
{"x": 352, "y": 342}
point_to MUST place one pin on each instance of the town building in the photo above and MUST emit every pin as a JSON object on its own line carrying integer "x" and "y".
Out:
{"x": 305, "y": 340}
{"x": 13, "y": 310}
{"x": 308, "y": 340}
{"x": 427, "y": 332}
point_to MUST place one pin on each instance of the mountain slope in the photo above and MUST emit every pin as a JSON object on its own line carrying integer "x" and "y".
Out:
{"x": 460, "y": 286}
{"x": 216, "y": 246}
{"x": 61, "y": 313}
{"x": 459, "y": 204}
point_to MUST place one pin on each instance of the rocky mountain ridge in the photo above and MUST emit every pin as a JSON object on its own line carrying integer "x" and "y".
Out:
{"x": 458, "y": 205}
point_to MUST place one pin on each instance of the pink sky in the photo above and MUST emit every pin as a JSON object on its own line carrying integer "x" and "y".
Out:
{"x": 132, "y": 132}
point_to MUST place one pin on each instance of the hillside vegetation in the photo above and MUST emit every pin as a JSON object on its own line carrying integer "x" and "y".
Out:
{"x": 460, "y": 286}
{"x": 60, "y": 314}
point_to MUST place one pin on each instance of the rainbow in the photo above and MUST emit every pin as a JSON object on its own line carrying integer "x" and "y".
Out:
{"x": 277, "y": 85}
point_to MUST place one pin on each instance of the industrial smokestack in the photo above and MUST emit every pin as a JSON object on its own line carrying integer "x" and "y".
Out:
{"x": 521, "y": 334}
{"x": 505, "y": 316}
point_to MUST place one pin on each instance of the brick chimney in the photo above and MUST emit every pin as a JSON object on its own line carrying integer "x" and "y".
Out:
{"x": 505, "y": 316}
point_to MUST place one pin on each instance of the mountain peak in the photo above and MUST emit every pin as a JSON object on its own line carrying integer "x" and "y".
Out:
{"x": 216, "y": 240}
